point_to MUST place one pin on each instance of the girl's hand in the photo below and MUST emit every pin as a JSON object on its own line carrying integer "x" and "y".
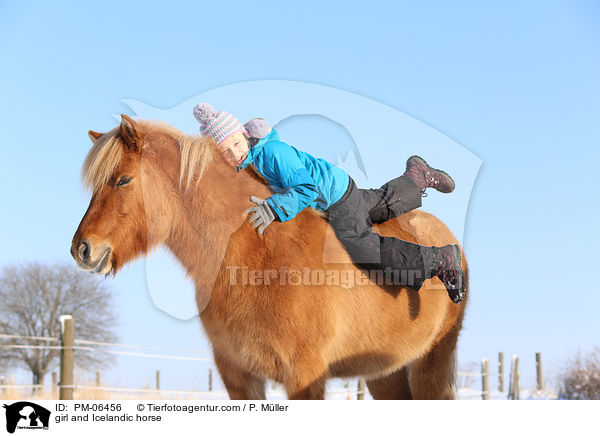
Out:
{"x": 263, "y": 215}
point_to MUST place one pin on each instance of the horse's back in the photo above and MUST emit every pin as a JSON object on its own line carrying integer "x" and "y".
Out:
{"x": 419, "y": 227}
{"x": 381, "y": 326}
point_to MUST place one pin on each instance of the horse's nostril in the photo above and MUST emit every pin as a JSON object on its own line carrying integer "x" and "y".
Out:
{"x": 83, "y": 251}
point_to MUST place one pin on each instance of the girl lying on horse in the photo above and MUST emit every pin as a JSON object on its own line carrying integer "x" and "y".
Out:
{"x": 300, "y": 180}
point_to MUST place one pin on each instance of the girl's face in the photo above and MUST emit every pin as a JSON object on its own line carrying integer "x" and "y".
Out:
{"x": 235, "y": 149}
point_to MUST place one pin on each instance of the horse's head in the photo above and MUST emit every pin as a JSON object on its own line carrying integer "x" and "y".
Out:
{"x": 133, "y": 172}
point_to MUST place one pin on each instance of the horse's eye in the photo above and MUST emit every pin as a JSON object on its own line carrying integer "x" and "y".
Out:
{"x": 124, "y": 180}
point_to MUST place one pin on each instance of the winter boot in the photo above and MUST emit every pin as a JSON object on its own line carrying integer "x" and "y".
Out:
{"x": 426, "y": 177}
{"x": 445, "y": 263}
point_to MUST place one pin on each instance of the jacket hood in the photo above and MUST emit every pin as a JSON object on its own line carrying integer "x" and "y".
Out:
{"x": 257, "y": 148}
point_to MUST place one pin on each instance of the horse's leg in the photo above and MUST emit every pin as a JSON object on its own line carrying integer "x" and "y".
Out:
{"x": 432, "y": 376}
{"x": 240, "y": 384}
{"x": 393, "y": 386}
{"x": 313, "y": 390}
{"x": 307, "y": 380}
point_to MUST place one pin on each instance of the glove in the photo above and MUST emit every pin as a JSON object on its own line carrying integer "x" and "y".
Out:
{"x": 263, "y": 215}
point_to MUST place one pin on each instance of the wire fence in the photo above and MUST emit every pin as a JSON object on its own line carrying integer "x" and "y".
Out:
{"x": 109, "y": 347}
{"x": 464, "y": 392}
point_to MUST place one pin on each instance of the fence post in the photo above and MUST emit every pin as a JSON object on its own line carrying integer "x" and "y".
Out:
{"x": 538, "y": 364}
{"x": 485, "y": 379}
{"x": 514, "y": 379}
{"x": 54, "y": 383}
{"x": 210, "y": 379}
{"x": 97, "y": 378}
{"x": 347, "y": 388}
{"x": 501, "y": 372}
{"x": 66, "y": 357}
{"x": 360, "y": 395}
{"x": 158, "y": 380}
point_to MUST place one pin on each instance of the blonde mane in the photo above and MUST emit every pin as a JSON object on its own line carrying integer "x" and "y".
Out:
{"x": 103, "y": 158}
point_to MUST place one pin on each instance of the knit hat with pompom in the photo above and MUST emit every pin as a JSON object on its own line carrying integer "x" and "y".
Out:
{"x": 218, "y": 124}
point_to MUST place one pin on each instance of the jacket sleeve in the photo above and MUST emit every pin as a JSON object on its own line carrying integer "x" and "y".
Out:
{"x": 300, "y": 190}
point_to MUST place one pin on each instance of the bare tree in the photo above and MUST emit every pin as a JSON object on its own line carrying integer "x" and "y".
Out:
{"x": 580, "y": 378}
{"x": 34, "y": 296}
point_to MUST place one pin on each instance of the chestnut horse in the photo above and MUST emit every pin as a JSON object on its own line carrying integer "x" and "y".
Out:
{"x": 153, "y": 185}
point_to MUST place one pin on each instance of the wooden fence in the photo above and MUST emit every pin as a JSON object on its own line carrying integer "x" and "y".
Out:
{"x": 514, "y": 387}
{"x": 65, "y": 385}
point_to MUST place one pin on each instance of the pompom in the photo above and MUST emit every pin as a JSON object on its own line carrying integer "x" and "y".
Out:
{"x": 203, "y": 112}
{"x": 257, "y": 128}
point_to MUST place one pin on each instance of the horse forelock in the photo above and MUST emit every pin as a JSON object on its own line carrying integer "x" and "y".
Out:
{"x": 105, "y": 155}
{"x": 101, "y": 161}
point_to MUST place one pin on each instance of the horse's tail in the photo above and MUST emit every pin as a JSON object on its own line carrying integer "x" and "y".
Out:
{"x": 453, "y": 378}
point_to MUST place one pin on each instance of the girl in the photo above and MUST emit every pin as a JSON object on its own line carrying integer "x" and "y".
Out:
{"x": 300, "y": 180}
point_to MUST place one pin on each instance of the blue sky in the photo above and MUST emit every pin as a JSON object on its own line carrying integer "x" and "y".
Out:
{"x": 515, "y": 84}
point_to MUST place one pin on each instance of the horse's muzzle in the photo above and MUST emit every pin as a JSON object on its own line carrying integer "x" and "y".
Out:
{"x": 86, "y": 258}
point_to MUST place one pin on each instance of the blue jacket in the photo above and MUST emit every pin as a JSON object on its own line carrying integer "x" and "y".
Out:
{"x": 299, "y": 179}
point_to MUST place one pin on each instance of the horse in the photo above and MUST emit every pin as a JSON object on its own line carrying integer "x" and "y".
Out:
{"x": 153, "y": 185}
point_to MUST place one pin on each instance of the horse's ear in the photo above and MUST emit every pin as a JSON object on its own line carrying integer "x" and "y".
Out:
{"x": 94, "y": 135}
{"x": 131, "y": 133}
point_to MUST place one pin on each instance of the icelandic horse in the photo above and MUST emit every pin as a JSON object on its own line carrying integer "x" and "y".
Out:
{"x": 153, "y": 185}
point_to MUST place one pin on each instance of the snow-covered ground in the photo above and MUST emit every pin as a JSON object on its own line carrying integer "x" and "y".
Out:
{"x": 473, "y": 394}
{"x": 347, "y": 390}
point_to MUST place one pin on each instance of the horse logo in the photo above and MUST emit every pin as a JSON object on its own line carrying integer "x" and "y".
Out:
{"x": 26, "y": 415}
